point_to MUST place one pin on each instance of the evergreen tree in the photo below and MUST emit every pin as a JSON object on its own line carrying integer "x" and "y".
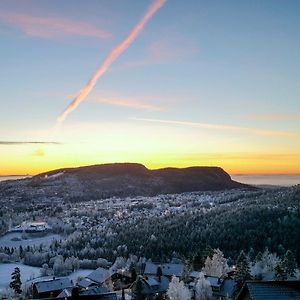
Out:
{"x": 16, "y": 283}
{"x": 133, "y": 274}
{"x": 251, "y": 254}
{"x": 280, "y": 273}
{"x": 289, "y": 263}
{"x": 243, "y": 270}
{"x": 138, "y": 289}
{"x": 159, "y": 273}
{"x": 21, "y": 251}
{"x": 258, "y": 257}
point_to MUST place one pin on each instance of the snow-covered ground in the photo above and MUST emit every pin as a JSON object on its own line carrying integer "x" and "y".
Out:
{"x": 27, "y": 273}
{"x": 14, "y": 239}
{"x": 31, "y": 274}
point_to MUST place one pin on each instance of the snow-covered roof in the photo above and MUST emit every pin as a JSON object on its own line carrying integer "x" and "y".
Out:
{"x": 65, "y": 293}
{"x": 227, "y": 288}
{"x": 214, "y": 281}
{"x": 86, "y": 282}
{"x": 99, "y": 275}
{"x": 274, "y": 290}
{"x": 53, "y": 285}
{"x": 95, "y": 291}
{"x": 167, "y": 269}
{"x": 152, "y": 285}
{"x": 152, "y": 282}
{"x": 195, "y": 274}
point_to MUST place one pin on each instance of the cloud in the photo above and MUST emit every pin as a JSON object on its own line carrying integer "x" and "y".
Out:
{"x": 8, "y": 143}
{"x": 255, "y": 131}
{"x": 165, "y": 50}
{"x": 274, "y": 117}
{"x": 51, "y": 27}
{"x": 134, "y": 103}
{"x": 245, "y": 156}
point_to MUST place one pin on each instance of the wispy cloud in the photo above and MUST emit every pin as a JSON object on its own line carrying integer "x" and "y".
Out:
{"x": 255, "y": 131}
{"x": 51, "y": 27}
{"x": 165, "y": 50}
{"x": 274, "y": 117}
{"x": 28, "y": 143}
{"x": 129, "y": 102}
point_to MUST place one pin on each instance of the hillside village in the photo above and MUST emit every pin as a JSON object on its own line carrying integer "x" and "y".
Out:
{"x": 113, "y": 236}
{"x": 140, "y": 279}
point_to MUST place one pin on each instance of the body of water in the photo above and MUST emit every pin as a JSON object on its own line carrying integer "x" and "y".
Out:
{"x": 278, "y": 179}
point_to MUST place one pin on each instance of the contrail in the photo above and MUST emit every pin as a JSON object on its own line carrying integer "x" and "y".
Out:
{"x": 256, "y": 131}
{"x": 111, "y": 57}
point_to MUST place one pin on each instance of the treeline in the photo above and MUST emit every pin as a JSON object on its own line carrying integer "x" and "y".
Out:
{"x": 272, "y": 223}
{"x": 235, "y": 221}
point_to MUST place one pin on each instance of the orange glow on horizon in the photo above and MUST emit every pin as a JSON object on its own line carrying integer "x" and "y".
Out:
{"x": 232, "y": 167}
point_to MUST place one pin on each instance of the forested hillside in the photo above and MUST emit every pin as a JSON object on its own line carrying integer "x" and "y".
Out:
{"x": 159, "y": 227}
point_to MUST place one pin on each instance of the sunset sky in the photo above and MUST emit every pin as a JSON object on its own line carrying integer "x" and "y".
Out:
{"x": 213, "y": 83}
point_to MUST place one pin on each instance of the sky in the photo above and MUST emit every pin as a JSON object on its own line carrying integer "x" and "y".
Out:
{"x": 212, "y": 83}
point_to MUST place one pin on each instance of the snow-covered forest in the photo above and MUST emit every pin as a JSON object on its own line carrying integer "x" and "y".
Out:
{"x": 157, "y": 227}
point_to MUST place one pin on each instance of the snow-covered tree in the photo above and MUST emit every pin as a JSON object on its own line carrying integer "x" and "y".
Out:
{"x": 58, "y": 265}
{"x": 119, "y": 264}
{"x": 265, "y": 267}
{"x": 217, "y": 265}
{"x": 203, "y": 289}
{"x": 76, "y": 264}
{"x": 45, "y": 270}
{"x": 177, "y": 290}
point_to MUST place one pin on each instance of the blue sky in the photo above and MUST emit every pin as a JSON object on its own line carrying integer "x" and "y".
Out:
{"x": 229, "y": 63}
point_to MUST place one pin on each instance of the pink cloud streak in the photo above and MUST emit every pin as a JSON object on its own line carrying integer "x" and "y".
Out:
{"x": 127, "y": 102}
{"x": 50, "y": 27}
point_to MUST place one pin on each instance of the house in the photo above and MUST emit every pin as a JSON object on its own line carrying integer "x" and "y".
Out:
{"x": 150, "y": 287}
{"x": 31, "y": 227}
{"x": 107, "y": 296}
{"x": 121, "y": 279}
{"x": 98, "y": 294}
{"x": 95, "y": 279}
{"x": 65, "y": 293}
{"x": 50, "y": 288}
{"x": 95, "y": 291}
{"x": 227, "y": 290}
{"x": 168, "y": 269}
{"x": 90, "y": 294}
{"x": 222, "y": 288}
{"x": 270, "y": 290}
